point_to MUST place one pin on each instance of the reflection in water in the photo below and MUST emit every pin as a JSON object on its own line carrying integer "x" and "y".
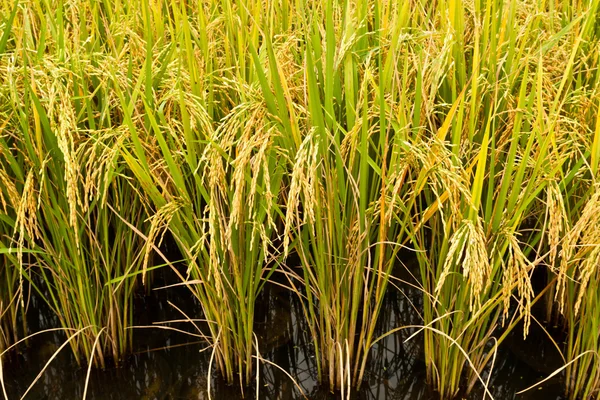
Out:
{"x": 395, "y": 371}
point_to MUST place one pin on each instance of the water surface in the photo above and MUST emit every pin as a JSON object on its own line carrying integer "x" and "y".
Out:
{"x": 167, "y": 365}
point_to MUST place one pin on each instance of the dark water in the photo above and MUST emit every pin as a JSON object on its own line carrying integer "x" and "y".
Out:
{"x": 168, "y": 365}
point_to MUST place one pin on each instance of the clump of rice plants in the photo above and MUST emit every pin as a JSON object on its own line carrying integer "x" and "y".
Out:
{"x": 511, "y": 138}
{"x": 348, "y": 201}
{"x": 570, "y": 235}
{"x": 222, "y": 216}
{"x": 219, "y": 164}
{"x": 83, "y": 249}
{"x": 71, "y": 190}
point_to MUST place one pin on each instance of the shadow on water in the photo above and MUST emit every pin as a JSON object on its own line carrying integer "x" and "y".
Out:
{"x": 168, "y": 365}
